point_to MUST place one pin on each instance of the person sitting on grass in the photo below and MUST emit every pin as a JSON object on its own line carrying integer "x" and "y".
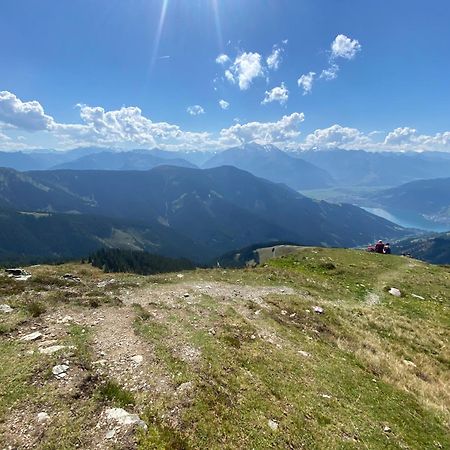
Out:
{"x": 387, "y": 249}
{"x": 379, "y": 247}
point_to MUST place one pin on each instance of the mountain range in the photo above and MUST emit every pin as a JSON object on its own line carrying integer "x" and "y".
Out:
{"x": 378, "y": 169}
{"x": 208, "y": 212}
{"x": 273, "y": 164}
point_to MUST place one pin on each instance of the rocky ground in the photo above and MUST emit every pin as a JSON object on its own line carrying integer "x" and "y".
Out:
{"x": 312, "y": 351}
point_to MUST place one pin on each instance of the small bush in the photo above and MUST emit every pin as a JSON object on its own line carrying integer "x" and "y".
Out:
{"x": 35, "y": 309}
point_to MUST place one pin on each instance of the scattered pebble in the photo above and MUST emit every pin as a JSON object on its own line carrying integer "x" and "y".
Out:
{"x": 318, "y": 309}
{"x": 273, "y": 425}
{"x": 5, "y": 308}
{"x": 395, "y": 292}
{"x": 387, "y": 429}
{"x": 32, "y": 336}
{"x": 180, "y": 275}
{"x": 417, "y": 296}
{"x": 186, "y": 295}
{"x": 325, "y": 396}
{"x": 305, "y": 354}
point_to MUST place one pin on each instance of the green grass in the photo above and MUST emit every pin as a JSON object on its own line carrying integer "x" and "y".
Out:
{"x": 333, "y": 380}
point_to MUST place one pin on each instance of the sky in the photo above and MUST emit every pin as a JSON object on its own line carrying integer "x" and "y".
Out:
{"x": 212, "y": 74}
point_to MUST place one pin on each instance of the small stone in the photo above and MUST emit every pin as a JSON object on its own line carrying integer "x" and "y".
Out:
{"x": 387, "y": 429}
{"x": 52, "y": 349}
{"x": 66, "y": 319}
{"x": 407, "y": 362}
{"x": 252, "y": 337}
{"x": 212, "y": 331}
{"x": 32, "y": 336}
{"x": 325, "y": 396}
{"x": 60, "y": 370}
{"x": 283, "y": 312}
{"x": 395, "y": 292}
{"x": 122, "y": 417}
{"x": 273, "y": 425}
{"x": 5, "y": 308}
{"x": 137, "y": 359}
{"x": 318, "y": 309}
{"x": 110, "y": 434}
{"x": 305, "y": 354}
{"x": 180, "y": 275}
{"x": 186, "y": 295}
{"x": 418, "y": 296}
{"x": 42, "y": 417}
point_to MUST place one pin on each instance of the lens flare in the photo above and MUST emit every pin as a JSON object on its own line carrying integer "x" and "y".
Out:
{"x": 159, "y": 30}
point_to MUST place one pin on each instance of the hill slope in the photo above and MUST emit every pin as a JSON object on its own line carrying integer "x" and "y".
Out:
{"x": 230, "y": 359}
{"x": 271, "y": 163}
{"x": 434, "y": 248}
{"x": 220, "y": 209}
{"x": 428, "y": 198}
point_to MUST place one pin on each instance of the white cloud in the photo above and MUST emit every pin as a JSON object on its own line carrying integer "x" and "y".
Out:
{"x": 330, "y": 73}
{"x": 306, "y": 82}
{"x": 28, "y": 116}
{"x": 344, "y": 47}
{"x": 336, "y": 136}
{"x": 277, "y": 94}
{"x": 195, "y": 110}
{"x": 223, "y": 59}
{"x": 274, "y": 59}
{"x": 406, "y": 138}
{"x": 279, "y": 133}
{"x": 224, "y": 104}
{"x": 246, "y": 67}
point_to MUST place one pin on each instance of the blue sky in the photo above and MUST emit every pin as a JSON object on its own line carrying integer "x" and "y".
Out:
{"x": 144, "y": 73}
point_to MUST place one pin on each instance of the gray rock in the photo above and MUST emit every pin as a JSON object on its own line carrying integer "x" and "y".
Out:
{"x": 395, "y": 292}
{"x": 60, "y": 371}
{"x": 110, "y": 434}
{"x": 52, "y": 349}
{"x": 273, "y": 425}
{"x": 42, "y": 417}
{"x": 123, "y": 417}
{"x": 137, "y": 359}
{"x": 32, "y": 336}
{"x": 5, "y": 308}
{"x": 318, "y": 309}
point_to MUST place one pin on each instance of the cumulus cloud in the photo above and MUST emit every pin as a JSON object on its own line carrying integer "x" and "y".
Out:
{"x": 279, "y": 133}
{"x": 406, "y": 138}
{"x": 223, "y": 59}
{"x": 336, "y": 136}
{"x": 224, "y": 104}
{"x": 277, "y": 94}
{"x": 344, "y": 47}
{"x": 246, "y": 67}
{"x": 306, "y": 82}
{"x": 195, "y": 110}
{"x": 28, "y": 116}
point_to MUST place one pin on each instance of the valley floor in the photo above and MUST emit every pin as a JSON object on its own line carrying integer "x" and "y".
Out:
{"x": 310, "y": 351}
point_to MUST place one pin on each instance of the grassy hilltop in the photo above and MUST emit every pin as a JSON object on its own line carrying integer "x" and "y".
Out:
{"x": 225, "y": 359}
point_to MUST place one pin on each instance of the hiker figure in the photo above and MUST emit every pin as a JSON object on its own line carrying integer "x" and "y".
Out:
{"x": 387, "y": 249}
{"x": 379, "y": 247}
